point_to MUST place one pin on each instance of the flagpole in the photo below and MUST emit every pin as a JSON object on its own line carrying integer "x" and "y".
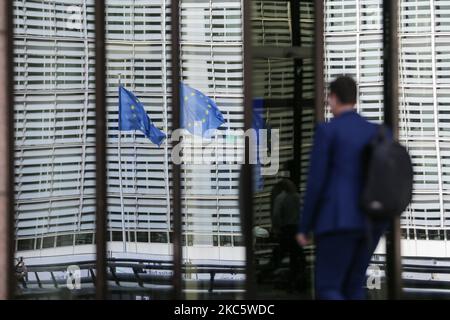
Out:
{"x": 122, "y": 207}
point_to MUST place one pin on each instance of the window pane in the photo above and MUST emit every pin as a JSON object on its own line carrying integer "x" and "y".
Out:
{"x": 139, "y": 171}
{"x": 55, "y": 147}
{"x": 358, "y": 52}
{"x": 283, "y": 91}
{"x": 423, "y": 123}
{"x": 211, "y": 69}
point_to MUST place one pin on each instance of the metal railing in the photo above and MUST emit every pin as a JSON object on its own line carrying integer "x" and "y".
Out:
{"x": 149, "y": 278}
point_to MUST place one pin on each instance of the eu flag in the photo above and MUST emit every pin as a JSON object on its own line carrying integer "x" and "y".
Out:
{"x": 258, "y": 123}
{"x": 132, "y": 116}
{"x": 199, "y": 113}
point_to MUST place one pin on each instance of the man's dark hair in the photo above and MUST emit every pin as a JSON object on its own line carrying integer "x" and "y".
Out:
{"x": 344, "y": 87}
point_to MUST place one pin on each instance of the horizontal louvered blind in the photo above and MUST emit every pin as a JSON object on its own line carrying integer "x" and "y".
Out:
{"x": 55, "y": 118}
{"x": 353, "y": 40}
{"x": 424, "y": 57}
{"x": 273, "y": 80}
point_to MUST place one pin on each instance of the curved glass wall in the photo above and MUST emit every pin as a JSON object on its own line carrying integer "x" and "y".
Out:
{"x": 139, "y": 171}
{"x": 211, "y": 61}
{"x": 424, "y": 106}
{"x": 54, "y": 146}
{"x": 283, "y": 93}
{"x": 353, "y": 37}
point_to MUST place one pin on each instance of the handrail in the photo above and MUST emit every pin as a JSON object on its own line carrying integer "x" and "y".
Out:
{"x": 137, "y": 275}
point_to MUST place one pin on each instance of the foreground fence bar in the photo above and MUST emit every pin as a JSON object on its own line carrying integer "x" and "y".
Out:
{"x": 7, "y": 279}
{"x": 100, "y": 132}
{"x": 390, "y": 41}
{"x": 319, "y": 76}
{"x": 176, "y": 168}
{"x": 246, "y": 179}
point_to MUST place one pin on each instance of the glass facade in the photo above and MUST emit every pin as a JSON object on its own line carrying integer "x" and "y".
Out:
{"x": 55, "y": 136}
{"x": 353, "y": 42}
{"x": 55, "y": 145}
{"x": 424, "y": 92}
{"x": 54, "y": 115}
{"x": 285, "y": 86}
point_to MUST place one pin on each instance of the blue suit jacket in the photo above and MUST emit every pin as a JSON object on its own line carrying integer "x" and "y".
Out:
{"x": 335, "y": 176}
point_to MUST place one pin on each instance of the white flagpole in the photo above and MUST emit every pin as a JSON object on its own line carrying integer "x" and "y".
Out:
{"x": 122, "y": 207}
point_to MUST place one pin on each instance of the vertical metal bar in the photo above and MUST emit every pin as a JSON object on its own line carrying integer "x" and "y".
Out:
{"x": 319, "y": 80}
{"x": 246, "y": 180}
{"x": 119, "y": 156}
{"x": 390, "y": 42}
{"x": 7, "y": 277}
{"x": 100, "y": 133}
{"x": 119, "y": 160}
{"x": 319, "y": 74}
{"x": 122, "y": 205}
{"x": 176, "y": 168}
{"x": 297, "y": 105}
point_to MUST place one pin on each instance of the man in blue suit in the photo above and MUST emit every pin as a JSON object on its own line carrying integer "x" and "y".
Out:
{"x": 345, "y": 238}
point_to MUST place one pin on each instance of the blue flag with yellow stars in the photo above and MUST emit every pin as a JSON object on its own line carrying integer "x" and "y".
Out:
{"x": 258, "y": 123}
{"x": 132, "y": 116}
{"x": 199, "y": 113}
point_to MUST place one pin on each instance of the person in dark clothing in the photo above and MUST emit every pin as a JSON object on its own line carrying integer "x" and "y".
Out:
{"x": 21, "y": 272}
{"x": 344, "y": 235}
{"x": 286, "y": 206}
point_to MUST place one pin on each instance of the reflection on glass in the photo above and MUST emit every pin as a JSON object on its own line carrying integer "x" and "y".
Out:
{"x": 211, "y": 64}
{"x": 356, "y": 49}
{"x": 139, "y": 227}
{"x": 424, "y": 104}
{"x": 55, "y": 150}
{"x": 283, "y": 94}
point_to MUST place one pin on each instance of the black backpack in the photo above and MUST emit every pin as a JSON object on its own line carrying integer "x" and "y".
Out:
{"x": 388, "y": 177}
